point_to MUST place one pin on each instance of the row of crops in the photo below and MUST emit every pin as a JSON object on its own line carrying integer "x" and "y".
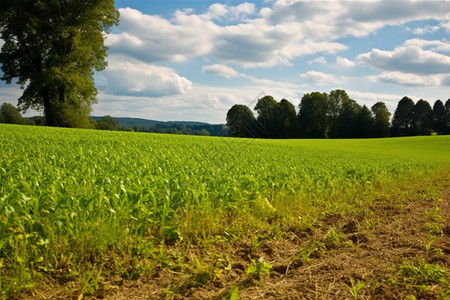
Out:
{"x": 69, "y": 196}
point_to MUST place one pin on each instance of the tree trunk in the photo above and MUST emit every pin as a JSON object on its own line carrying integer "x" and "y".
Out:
{"x": 48, "y": 109}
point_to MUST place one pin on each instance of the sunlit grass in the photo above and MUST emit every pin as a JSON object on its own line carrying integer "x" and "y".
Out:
{"x": 68, "y": 197}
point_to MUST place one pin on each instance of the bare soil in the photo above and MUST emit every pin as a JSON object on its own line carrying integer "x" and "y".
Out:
{"x": 368, "y": 249}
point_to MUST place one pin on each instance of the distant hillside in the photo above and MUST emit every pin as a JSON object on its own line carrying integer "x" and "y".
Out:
{"x": 145, "y": 122}
{"x": 176, "y": 127}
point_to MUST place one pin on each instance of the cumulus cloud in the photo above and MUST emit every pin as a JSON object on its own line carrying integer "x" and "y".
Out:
{"x": 345, "y": 62}
{"x": 334, "y": 19}
{"x": 412, "y": 57}
{"x": 320, "y": 60}
{"x": 408, "y": 79}
{"x": 154, "y": 38}
{"x": 446, "y": 25}
{"x": 221, "y": 11}
{"x": 320, "y": 79}
{"x": 125, "y": 76}
{"x": 221, "y": 70}
{"x": 425, "y": 30}
{"x": 282, "y": 30}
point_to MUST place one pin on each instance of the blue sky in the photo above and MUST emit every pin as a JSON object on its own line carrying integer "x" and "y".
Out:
{"x": 192, "y": 60}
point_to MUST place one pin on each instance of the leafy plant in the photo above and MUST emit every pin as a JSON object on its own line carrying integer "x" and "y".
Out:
{"x": 258, "y": 268}
{"x": 424, "y": 273}
{"x": 355, "y": 287}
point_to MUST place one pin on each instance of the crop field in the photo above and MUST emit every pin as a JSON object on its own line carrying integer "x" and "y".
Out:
{"x": 84, "y": 212}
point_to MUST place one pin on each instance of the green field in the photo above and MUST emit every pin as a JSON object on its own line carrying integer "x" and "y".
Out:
{"x": 69, "y": 197}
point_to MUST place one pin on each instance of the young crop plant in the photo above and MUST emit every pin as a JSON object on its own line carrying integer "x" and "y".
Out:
{"x": 258, "y": 269}
{"x": 69, "y": 197}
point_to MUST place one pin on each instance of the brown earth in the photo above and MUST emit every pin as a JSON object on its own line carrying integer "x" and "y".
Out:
{"x": 318, "y": 263}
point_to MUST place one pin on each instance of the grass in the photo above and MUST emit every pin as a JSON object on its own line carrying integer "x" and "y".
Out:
{"x": 68, "y": 197}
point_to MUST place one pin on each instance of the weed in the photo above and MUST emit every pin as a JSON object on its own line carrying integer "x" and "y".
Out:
{"x": 233, "y": 294}
{"x": 258, "y": 268}
{"x": 424, "y": 274}
{"x": 355, "y": 287}
{"x": 430, "y": 250}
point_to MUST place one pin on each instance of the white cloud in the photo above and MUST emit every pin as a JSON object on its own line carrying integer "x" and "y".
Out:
{"x": 446, "y": 81}
{"x": 125, "y": 76}
{"x": 408, "y": 79}
{"x": 221, "y": 70}
{"x": 334, "y": 19}
{"x": 153, "y": 38}
{"x": 446, "y": 25}
{"x": 320, "y": 60}
{"x": 222, "y": 11}
{"x": 345, "y": 62}
{"x": 425, "y": 30}
{"x": 320, "y": 79}
{"x": 412, "y": 57}
{"x": 281, "y": 32}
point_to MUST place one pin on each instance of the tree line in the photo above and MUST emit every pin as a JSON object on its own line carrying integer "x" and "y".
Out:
{"x": 11, "y": 115}
{"x": 336, "y": 115}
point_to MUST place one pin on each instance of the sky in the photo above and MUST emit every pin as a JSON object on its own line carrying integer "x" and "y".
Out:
{"x": 193, "y": 60}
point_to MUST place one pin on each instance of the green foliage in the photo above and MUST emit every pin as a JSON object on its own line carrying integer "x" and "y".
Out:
{"x": 258, "y": 269}
{"x": 424, "y": 273}
{"x": 52, "y": 49}
{"x": 382, "y": 119}
{"x": 241, "y": 122}
{"x": 107, "y": 123}
{"x": 402, "y": 122}
{"x": 10, "y": 115}
{"x": 313, "y": 115}
{"x": 355, "y": 287}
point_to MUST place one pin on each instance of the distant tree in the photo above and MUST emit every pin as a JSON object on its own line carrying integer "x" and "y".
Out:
{"x": 438, "y": 117}
{"x": 364, "y": 123}
{"x": 336, "y": 100}
{"x": 108, "y": 123}
{"x": 347, "y": 121}
{"x": 269, "y": 115}
{"x": 313, "y": 115}
{"x": 52, "y": 48}
{"x": 382, "y": 120}
{"x": 422, "y": 118}
{"x": 447, "y": 113}
{"x": 241, "y": 122}
{"x": 288, "y": 120}
{"x": 402, "y": 121}
{"x": 202, "y": 132}
{"x": 9, "y": 114}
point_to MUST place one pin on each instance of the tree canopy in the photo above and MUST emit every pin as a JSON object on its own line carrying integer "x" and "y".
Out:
{"x": 52, "y": 48}
{"x": 336, "y": 115}
{"x": 241, "y": 122}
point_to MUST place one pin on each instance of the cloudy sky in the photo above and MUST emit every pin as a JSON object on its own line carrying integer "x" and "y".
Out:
{"x": 192, "y": 60}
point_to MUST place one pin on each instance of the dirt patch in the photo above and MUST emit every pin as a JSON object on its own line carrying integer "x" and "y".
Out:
{"x": 329, "y": 261}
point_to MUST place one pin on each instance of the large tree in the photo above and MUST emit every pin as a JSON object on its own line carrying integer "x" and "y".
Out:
{"x": 52, "y": 48}
{"x": 382, "y": 120}
{"x": 269, "y": 115}
{"x": 347, "y": 121}
{"x": 336, "y": 100}
{"x": 402, "y": 121}
{"x": 438, "y": 117}
{"x": 288, "y": 120}
{"x": 422, "y": 118}
{"x": 364, "y": 123}
{"x": 241, "y": 122}
{"x": 313, "y": 115}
